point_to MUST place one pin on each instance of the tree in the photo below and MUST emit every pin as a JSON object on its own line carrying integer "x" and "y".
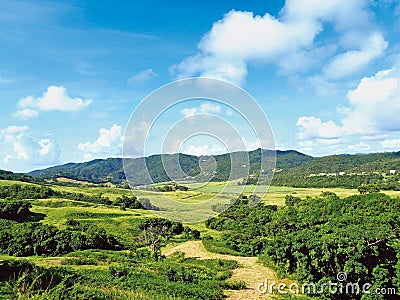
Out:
{"x": 157, "y": 232}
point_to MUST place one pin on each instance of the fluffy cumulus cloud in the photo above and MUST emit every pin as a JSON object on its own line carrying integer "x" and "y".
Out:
{"x": 142, "y": 76}
{"x": 312, "y": 127}
{"x": 108, "y": 144}
{"x": 351, "y": 61}
{"x": 55, "y": 98}
{"x": 204, "y": 108}
{"x": 23, "y": 151}
{"x": 371, "y": 113}
{"x": 391, "y": 144}
{"x": 291, "y": 41}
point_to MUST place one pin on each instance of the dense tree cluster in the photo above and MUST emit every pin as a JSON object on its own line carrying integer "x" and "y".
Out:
{"x": 27, "y": 191}
{"x": 317, "y": 238}
{"x": 173, "y": 278}
{"x": 7, "y": 175}
{"x": 172, "y": 187}
{"x": 19, "y": 191}
{"x": 344, "y": 181}
{"x": 244, "y": 225}
{"x": 26, "y": 239}
{"x": 128, "y": 202}
{"x": 16, "y": 210}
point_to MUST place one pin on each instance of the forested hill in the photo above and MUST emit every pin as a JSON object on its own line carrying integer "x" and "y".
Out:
{"x": 111, "y": 169}
{"x": 7, "y": 175}
{"x": 374, "y": 162}
{"x": 348, "y": 171}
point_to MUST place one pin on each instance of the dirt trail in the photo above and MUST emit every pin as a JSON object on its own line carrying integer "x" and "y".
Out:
{"x": 249, "y": 269}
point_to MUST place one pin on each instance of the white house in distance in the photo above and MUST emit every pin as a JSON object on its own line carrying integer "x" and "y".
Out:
{"x": 392, "y": 172}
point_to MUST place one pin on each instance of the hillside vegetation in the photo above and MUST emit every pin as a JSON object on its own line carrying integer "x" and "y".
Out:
{"x": 193, "y": 167}
{"x": 95, "y": 242}
{"x": 292, "y": 169}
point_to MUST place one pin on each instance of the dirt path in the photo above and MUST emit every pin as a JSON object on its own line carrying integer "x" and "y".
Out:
{"x": 249, "y": 269}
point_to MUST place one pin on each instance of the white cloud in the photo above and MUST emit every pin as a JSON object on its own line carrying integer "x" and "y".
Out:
{"x": 204, "y": 108}
{"x": 351, "y": 61}
{"x": 208, "y": 107}
{"x": 142, "y": 76}
{"x": 189, "y": 112}
{"x": 371, "y": 113}
{"x": 374, "y": 105}
{"x": 288, "y": 41}
{"x": 204, "y": 150}
{"x": 391, "y": 144}
{"x": 12, "y": 133}
{"x": 312, "y": 127}
{"x": 26, "y": 113}
{"x": 108, "y": 143}
{"x": 21, "y": 149}
{"x": 55, "y": 98}
{"x": 361, "y": 146}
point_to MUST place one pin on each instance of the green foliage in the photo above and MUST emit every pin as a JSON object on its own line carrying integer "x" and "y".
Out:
{"x": 360, "y": 169}
{"x": 368, "y": 188}
{"x": 151, "y": 169}
{"x": 7, "y": 175}
{"x": 18, "y": 191}
{"x": 145, "y": 202}
{"x": 15, "y": 210}
{"x": 316, "y": 238}
{"x": 156, "y": 233}
{"x": 26, "y": 239}
{"x": 172, "y": 187}
{"x": 128, "y": 202}
{"x": 243, "y": 225}
{"x": 167, "y": 279}
{"x": 217, "y": 246}
{"x": 78, "y": 261}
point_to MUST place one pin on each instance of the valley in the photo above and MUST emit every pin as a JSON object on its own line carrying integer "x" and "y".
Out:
{"x": 74, "y": 239}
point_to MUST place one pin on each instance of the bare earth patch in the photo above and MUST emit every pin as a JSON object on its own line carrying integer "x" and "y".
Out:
{"x": 249, "y": 270}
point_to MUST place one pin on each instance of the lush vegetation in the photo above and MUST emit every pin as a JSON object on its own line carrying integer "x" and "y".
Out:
{"x": 32, "y": 238}
{"x": 94, "y": 264}
{"x": 132, "y": 277}
{"x": 152, "y": 168}
{"x": 18, "y": 191}
{"x": 15, "y": 210}
{"x": 7, "y": 175}
{"x": 85, "y": 242}
{"x": 244, "y": 225}
{"x": 317, "y": 238}
{"x": 344, "y": 181}
{"x": 356, "y": 170}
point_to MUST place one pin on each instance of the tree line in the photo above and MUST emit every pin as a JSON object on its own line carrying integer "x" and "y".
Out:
{"x": 20, "y": 192}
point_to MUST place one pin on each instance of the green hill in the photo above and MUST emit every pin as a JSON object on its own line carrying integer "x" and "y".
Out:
{"x": 219, "y": 167}
{"x": 348, "y": 171}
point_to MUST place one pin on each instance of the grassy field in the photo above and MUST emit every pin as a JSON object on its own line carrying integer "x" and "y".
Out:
{"x": 273, "y": 195}
{"x": 190, "y": 205}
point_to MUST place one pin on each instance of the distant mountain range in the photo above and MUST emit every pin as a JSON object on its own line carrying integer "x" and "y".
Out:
{"x": 218, "y": 167}
{"x": 291, "y": 166}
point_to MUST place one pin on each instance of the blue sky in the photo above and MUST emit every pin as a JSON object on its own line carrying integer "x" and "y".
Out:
{"x": 326, "y": 73}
